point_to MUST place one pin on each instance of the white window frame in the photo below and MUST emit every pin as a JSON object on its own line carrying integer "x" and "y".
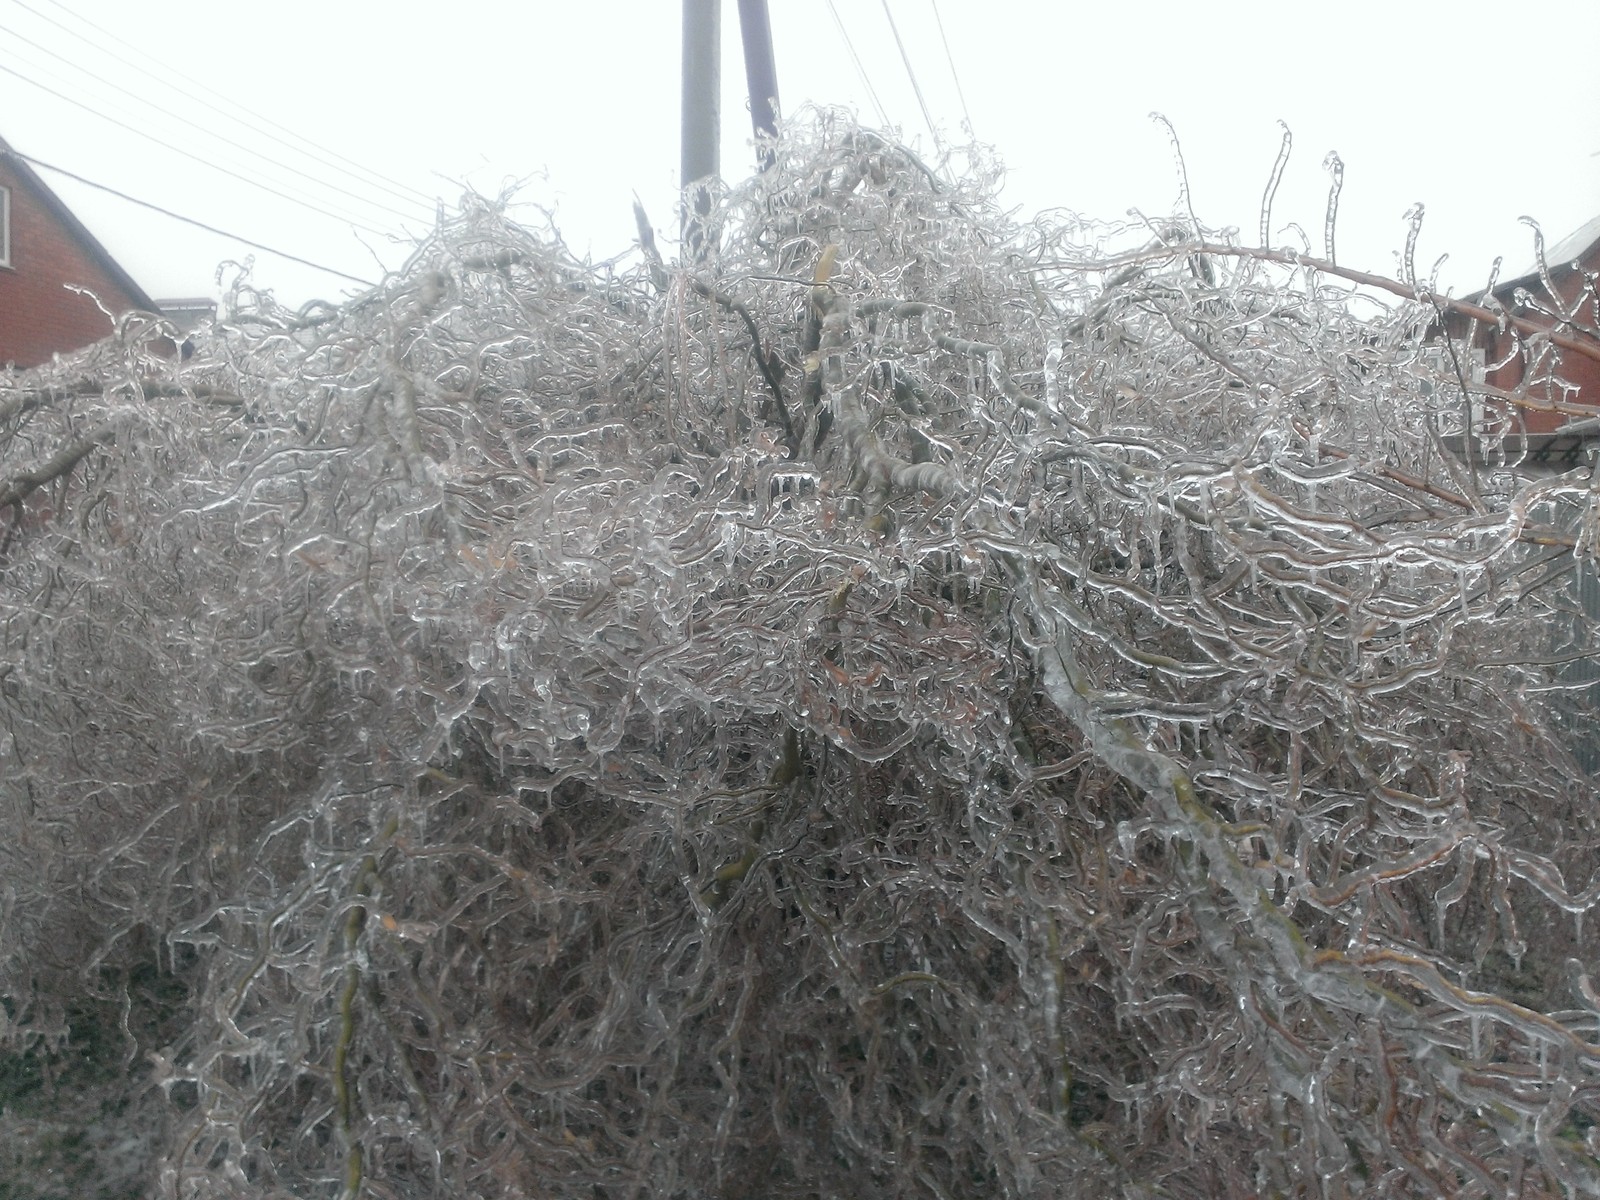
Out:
{"x": 5, "y": 227}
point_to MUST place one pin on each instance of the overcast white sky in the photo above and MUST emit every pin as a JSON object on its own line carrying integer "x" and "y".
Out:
{"x": 1481, "y": 111}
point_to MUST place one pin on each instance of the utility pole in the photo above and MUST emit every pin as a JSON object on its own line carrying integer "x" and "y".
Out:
{"x": 702, "y": 117}
{"x": 700, "y": 163}
{"x": 760, "y": 73}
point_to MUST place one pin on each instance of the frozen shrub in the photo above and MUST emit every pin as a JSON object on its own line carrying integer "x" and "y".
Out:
{"x": 911, "y": 706}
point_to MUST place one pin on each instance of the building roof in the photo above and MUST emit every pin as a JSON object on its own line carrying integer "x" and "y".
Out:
{"x": 1569, "y": 249}
{"x": 189, "y": 312}
{"x": 91, "y": 244}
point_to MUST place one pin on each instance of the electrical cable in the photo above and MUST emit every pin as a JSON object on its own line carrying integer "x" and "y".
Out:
{"x": 28, "y": 158}
{"x": 168, "y": 113}
{"x": 324, "y": 155}
{"x": 954, "y": 74}
{"x": 872, "y": 93}
{"x": 306, "y": 204}
{"x": 912, "y": 75}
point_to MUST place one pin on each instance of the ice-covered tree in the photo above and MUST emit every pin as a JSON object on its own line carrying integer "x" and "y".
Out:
{"x": 912, "y": 705}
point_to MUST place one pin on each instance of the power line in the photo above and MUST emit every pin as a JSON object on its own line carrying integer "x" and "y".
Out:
{"x": 954, "y": 74}
{"x": 323, "y": 154}
{"x": 326, "y": 156}
{"x": 365, "y": 200}
{"x": 910, "y": 74}
{"x": 28, "y": 158}
{"x": 883, "y": 117}
{"x": 306, "y": 204}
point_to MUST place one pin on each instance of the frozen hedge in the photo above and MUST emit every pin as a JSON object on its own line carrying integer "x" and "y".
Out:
{"x": 912, "y": 705}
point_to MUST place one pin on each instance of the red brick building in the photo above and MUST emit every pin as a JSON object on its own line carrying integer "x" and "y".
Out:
{"x": 45, "y": 250}
{"x": 1543, "y": 396}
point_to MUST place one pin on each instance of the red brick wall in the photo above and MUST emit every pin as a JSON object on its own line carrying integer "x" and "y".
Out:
{"x": 1584, "y": 373}
{"x": 38, "y": 316}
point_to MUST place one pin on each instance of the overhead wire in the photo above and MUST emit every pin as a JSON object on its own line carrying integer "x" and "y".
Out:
{"x": 954, "y": 74}
{"x": 28, "y": 158}
{"x": 179, "y": 117}
{"x": 203, "y": 161}
{"x": 927, "y": 117}
{"x": 321, "y": 153}
{"x": 326, "y": 156}
{"x": 872, "y": 93}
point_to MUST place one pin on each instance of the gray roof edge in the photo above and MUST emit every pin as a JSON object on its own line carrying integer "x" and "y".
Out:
{"x": 1568, "y": 250}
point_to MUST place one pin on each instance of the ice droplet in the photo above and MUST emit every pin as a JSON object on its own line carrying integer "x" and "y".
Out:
{"x": 1126, "y": 837}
